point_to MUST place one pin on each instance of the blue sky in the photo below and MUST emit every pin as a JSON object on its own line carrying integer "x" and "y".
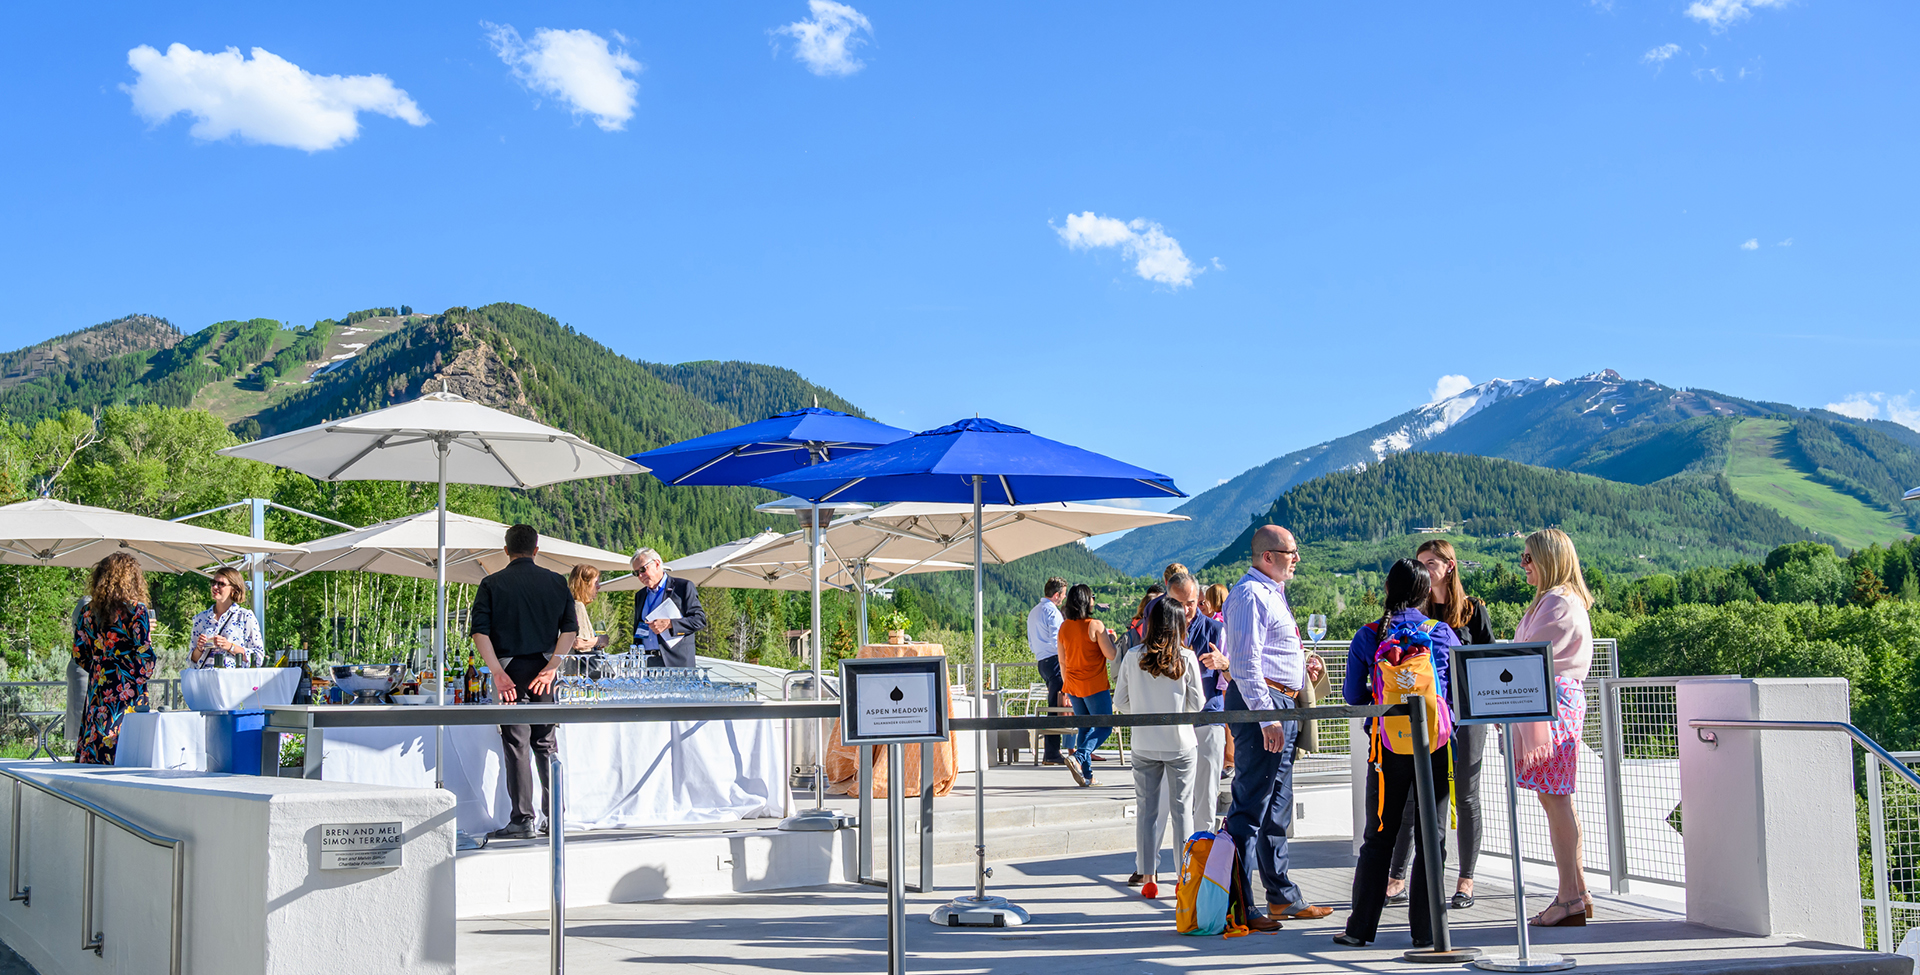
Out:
{"x": 1294, "y": 218}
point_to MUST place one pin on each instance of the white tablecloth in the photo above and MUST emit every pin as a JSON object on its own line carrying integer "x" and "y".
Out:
{"x": 238, "y": 688}
{"x": 618, "y": 775}
{"x": 163, "y": 739}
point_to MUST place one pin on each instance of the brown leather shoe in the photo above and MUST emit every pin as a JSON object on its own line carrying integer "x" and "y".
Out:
{"x": 1262, "y": 924}
{"x": 1301, "y": 912}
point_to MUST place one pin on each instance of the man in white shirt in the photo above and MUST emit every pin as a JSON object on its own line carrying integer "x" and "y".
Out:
{"x": 1268, "y": 667}
{"x": 1043, "y": 638}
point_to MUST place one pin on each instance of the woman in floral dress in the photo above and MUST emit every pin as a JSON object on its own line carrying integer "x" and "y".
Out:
{"x": 1547, "y": 754}
{"x": 113, "y": 643}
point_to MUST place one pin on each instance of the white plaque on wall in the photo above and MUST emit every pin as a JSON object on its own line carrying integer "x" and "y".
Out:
{"x": 360, "y": 846}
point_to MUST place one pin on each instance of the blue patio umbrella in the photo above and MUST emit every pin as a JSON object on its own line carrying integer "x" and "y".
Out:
{"x": 779, "y": 444}
{"x": 985, "y": 462}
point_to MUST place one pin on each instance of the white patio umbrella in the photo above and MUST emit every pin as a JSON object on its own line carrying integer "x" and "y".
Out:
{"x": 442, "y": 437}
{"x": 410, "y": 546}
{"x": 743, "y": 564}
{"x": 46, "y": 532}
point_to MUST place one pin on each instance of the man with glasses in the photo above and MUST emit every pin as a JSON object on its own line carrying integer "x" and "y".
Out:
{"x": 1268, "y": 666}
{"x": 666, "y": 613}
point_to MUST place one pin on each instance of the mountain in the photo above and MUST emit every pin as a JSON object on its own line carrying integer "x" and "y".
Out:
{"x": 262, "y": 378}
{"x": 1637, "y": 431}
{"x": 1366, "y": 518}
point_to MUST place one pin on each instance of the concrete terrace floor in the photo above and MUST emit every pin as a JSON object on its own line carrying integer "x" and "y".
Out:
{"x": 1087, "y": 920}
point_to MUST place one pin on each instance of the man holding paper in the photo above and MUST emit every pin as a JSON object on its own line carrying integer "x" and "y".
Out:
{"x": 666, "y": 613}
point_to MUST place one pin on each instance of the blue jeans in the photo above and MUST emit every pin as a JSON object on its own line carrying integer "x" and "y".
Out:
{"x": 1262, "y": 812}
{"x": 1089, "y": 740}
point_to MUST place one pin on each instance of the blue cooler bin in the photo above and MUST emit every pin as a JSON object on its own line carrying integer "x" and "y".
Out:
{"x": 234, "y": 740}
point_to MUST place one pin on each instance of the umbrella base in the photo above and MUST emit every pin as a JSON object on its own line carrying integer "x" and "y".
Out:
{"x": 815, "y": 820}
{"x": 1540, "y": 962}
{"x": 979, "y": 912}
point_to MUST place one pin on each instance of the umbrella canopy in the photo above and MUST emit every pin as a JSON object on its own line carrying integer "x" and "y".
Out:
{"x": 741, "y": 564}
{"x": 1015, "y": 466}
{"x": 401, "y": 443}
{"x": 780, "y": 443}
{"x": 55, "y": 533}
{"x": 445, "y": 438}
{"x": 985, "y": 462}
{"x": 409, "y": 546}
{"x": 908, "y": 531}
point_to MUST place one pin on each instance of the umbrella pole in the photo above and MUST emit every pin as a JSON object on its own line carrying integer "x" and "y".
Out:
{"x": 819, "y": 817}
{"x": 440, "y": 625}
{"x": 979, "y": 910}
{"x": 819, "y": 689}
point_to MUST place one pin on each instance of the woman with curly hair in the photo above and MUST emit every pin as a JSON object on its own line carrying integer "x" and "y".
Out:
{"x": 113, "y": 643}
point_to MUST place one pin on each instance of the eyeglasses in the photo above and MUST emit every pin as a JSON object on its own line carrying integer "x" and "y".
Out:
{"x": 1526, "y": 558}
{"x": 219, "y": 584}
{"x": 1294, "y": 552}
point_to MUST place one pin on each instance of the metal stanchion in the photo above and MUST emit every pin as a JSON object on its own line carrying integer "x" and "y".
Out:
{"x": 557, "y": 844}
{"x": 1433, "y": 849}
{"x": 896, "y": 861}
{"x": 1525, "y": 960}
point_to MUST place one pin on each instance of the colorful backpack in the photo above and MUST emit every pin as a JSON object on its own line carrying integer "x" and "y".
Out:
{"x": 1402, "y": 669}
{"x": 1211, "y": 897}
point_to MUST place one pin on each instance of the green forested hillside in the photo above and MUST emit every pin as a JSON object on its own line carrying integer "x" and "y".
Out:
{"x": 1674, "y": 523}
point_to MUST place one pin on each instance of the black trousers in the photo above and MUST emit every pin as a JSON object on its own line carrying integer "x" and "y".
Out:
{"x": 526, "y": 746}
{"x": 1469, "y": 743}
{"x": 1050, "y": 672}
{"x": 1376, "y": 848}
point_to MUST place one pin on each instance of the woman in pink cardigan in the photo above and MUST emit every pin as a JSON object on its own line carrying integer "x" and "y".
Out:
{"x": 1547, "y": 752}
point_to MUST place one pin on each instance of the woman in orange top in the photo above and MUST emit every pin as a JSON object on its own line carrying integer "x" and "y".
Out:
{"x": 1086, "y": 645}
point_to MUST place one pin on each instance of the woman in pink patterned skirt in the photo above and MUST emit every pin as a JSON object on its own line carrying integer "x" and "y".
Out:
{"x": 1547, "y": 752}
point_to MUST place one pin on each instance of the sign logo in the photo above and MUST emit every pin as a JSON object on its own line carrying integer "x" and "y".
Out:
{"x": 896, "y": 695}
{"x": 1506, "y": 677}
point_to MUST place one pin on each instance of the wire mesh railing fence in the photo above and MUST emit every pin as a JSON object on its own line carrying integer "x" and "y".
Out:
{"x": 1890, "y": 868}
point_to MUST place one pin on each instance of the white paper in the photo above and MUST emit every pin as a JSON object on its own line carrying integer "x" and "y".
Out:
{"x": 667, "y": 610}
{"x": 895, "y": 705}
{"x": 1508, "y": 685}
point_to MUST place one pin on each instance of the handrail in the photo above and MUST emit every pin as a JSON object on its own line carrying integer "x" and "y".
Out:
{"x": 1860, "y": 737}
{"x": 91, "y": 940}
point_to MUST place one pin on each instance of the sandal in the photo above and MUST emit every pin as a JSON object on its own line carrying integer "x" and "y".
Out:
{"x": 1461, "y": 900}
{"x": 1588, "y": 900}
{"x": 1573, "y": 916}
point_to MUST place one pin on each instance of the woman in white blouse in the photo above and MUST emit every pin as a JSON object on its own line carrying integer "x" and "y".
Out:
{"x": 1156, "y": 677}
{"x": 227, "y": 635}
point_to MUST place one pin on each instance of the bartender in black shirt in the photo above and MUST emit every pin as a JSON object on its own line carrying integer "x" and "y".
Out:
{"x": 523, "y": 623}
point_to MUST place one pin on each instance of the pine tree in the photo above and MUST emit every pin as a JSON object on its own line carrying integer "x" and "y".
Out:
{"x": 1868, "y": 589}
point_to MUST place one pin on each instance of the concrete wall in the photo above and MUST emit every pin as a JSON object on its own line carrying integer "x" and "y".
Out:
{"x": 1769, "y": 819}
{"x": 256, "y": 898}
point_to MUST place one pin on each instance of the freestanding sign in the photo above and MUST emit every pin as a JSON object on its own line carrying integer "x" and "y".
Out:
{"x": 1508, "y": 684}
{"x": 894, "y": 701}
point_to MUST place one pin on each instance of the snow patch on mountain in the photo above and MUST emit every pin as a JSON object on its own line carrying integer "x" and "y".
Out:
{"x": 1434, "y": 419}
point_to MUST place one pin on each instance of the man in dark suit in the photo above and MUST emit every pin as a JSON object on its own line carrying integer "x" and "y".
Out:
{"x": 667, "y": 642}
{"x": 523, "y": 623}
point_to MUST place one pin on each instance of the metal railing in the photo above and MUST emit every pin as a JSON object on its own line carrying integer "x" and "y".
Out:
{"x": 1881, "y": 904}
{"x": 90, "y": 939}
{"x": 1894, "y": 816}
{"x": 1590, "y": 796}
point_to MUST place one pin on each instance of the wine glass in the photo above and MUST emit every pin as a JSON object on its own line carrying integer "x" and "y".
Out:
{"x": 1317, "y": 627}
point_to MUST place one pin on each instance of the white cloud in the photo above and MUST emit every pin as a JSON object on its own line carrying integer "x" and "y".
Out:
{"x": 578, "y": 67}
{"x": 268, "y": 99}
{"x": 1450, "y": 386}
{"x": 1156, "y": 256}
{"x": 1869, "y": 406}
{"x": 826, "y": 43}
{"x": 1660, "y": 55}
{"x": 1703, "y": 74}
{"x": 1721, "y": 14}
{"x": 1752, "y": 244}
{"x": 1785, "y": 243}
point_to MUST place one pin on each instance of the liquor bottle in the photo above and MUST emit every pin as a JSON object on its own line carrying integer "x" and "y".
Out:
{"x": 456, "y": 685}
{"x": 473, "y": 682}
